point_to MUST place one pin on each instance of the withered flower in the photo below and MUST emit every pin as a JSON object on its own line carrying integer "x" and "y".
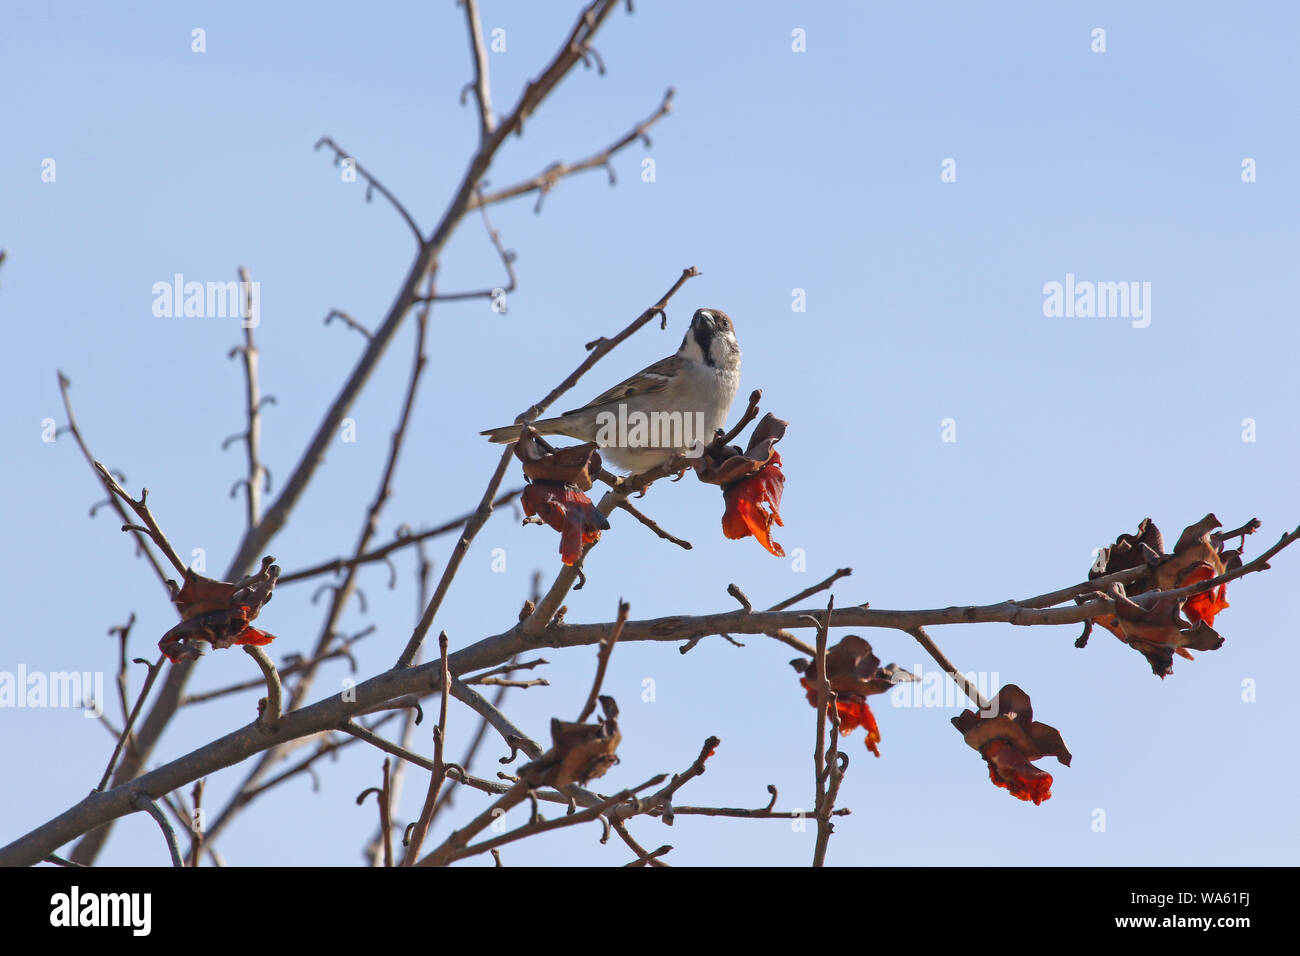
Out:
{"x": 579, "y": 752}
{"x": 1199, "y": 556}
{"x": 752, "y": 482}
{"x": 218, "y": 612}
{"x": 1156, "y": 628}
{"x": 555, "y": 495}
{"x": 1008, "y": 738}
{"x": 854, "y": 674}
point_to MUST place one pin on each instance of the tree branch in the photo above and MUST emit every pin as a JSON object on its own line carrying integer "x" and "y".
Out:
{"x": 547, "y": 179}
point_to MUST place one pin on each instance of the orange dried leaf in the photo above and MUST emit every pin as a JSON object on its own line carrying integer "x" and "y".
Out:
{"x": 1009, "y": 739}
{"x": 753, "y": 503}
{"x": 218, "y": 612}
{"x": 567, "y": 510}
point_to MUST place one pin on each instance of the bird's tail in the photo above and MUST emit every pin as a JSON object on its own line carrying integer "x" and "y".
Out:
{"x": 508, "y": 433}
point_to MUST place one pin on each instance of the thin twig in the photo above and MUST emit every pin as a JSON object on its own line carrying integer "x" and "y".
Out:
{"x": 373, "y": 185}
{"x": 806, "y": 592}
{"x": 602, "y": 661}
{"x": 482, "y": 86}
{"x": 750, "y": 413}
{"x": 142, "y": 539}
{"x": 546, "y": 180}
{"x": 438, "y": 775}
{"x": 154, "y": 668}
{"x": 931, "y": 648}
{"x": 456, "y": 848}
{"x": 644, "y": 857}
{"x": 350, "y": 322}
{"x": 384, "y": 795}
{"x": 662, "y": 799}
{"x": 293, "y": 666}
{"x": 650, "y": 523}
{"x": 507, "y": 257}
{"x": 509, "y": 668}
{"x": 398, "y": 543}
{"x": 196, "y": 824}
{"x": 253, "y": 404}
{"x": 269, "y": 707}
{"x": 141, "y": 508}
{"x": 123, "y": 632}
{"x": 142, "y": 801}
{"x": 830, "y": 768}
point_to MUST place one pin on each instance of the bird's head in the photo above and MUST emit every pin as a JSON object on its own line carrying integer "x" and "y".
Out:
{"x": 711, "y": 338}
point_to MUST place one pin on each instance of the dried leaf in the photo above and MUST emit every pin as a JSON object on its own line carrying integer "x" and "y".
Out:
{"x": 219, "y": 612}
{"x": 576, "y": 465}
{"x": 1008, "y": 738}
{"x": 1158, "y": 630}
{"x": 854, "y": 674}
{"x": 568, "y": 511}
{"x": 579, "y": 752}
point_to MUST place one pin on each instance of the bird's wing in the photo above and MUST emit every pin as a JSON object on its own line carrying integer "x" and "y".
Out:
{"x": 652, "y": 378}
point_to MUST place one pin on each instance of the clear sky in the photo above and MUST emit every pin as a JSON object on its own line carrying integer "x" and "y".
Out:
{"x": 777, "y": 171}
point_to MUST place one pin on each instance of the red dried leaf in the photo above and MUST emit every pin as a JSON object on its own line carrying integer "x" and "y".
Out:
{"x": 855, "y": 674}
{"x": 568, "y": 511}
{"x": 218, "y": 612}
{"x": 1008, "y": 738}
{"x": 1011, "y": 770}
{"x": 1157, "y": 630}
{"x": 753, "y": 503}
{"x": 854, "y": 712}
{"x": 1203, "y": 607}
{"x": 576, "y": 465}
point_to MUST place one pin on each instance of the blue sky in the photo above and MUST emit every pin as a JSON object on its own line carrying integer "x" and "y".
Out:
{"x": 776, "y": 171}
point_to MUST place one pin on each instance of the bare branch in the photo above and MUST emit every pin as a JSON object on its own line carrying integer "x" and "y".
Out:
{"x": 401, "y": 541}
{"x": 438, "y": 773}
{"x": 828, "y": 769}
{"x": 807, "y": 592}
{"x": 373, "y": 185}
{"x": 649, "y": 523}
{"x": 507, "y": 260}
{"x": 349, "y": 322}
{"x": 482, "y": 87}
{"x": 383, "y": 794}
{"x": 547, "y": 179}
{"x": 294, "y": 664}
{"x": 142, "y": 540}
{"x": 141, "y": 508}
{"x": 602, "y": 661}
{"x": 931, "y": 648}
{"x": 253, "y": 404}
{"x": 141, "y": 801}
{"x": 268, "y": 708}
{"x": 154, "y": 668}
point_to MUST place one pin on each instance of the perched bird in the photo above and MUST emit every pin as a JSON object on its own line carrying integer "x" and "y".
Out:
{"x": 663, "y": 409}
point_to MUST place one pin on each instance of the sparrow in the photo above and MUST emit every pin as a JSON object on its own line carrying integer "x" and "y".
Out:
{"x": 663, "y": 410}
